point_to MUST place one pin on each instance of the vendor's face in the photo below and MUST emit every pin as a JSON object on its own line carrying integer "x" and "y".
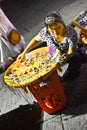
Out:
{"x": 57, "y": 28}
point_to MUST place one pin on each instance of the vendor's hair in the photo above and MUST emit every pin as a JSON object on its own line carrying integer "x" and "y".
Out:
{"x": 53, "y": 17}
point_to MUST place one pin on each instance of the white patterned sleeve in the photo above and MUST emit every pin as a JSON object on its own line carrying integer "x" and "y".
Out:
{"x": 42, "y": 34}
{"x": 70, "y": 42}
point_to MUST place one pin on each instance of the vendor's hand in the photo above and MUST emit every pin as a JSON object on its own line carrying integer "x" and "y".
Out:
{"x": 21, "y": 57}
{"x": 9, "y": 58}
{"x": 64, "y": 58}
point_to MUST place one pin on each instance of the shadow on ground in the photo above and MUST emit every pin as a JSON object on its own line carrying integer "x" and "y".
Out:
{"x": 76, "y": 91}
{"x": 23, "y": 118}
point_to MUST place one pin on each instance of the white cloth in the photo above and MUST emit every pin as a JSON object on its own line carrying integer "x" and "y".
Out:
{"x": 6, "y": 48}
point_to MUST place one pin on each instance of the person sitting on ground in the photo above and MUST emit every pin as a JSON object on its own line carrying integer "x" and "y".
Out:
{"x": 64, "y": 38}
{"x": 82, "y": 45}
{"x": 11, "y": 42}
{"x": 82, "y": 34}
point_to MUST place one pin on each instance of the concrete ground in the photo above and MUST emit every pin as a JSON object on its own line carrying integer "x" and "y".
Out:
{"x": 18, "y": 111}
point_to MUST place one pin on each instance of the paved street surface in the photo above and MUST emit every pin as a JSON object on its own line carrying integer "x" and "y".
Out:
{"x": 19, "y": 112}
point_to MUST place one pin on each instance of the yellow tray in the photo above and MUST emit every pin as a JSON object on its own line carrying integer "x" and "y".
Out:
{"x": 77, "y": 21}
{"x": 38, "y": 65}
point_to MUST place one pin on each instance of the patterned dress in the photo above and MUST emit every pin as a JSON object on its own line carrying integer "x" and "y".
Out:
{"x": 70, "y": 40}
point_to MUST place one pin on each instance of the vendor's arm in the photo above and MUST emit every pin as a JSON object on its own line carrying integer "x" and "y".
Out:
{"x": 70, "y": 52}
{"x": 71, "y": 49}
{"x": 30, "y": 46}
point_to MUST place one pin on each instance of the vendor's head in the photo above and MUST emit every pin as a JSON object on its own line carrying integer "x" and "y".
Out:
{"x": 54, "y": 21}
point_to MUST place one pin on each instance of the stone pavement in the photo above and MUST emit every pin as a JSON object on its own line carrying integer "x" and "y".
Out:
{"x": 18, "y": 111}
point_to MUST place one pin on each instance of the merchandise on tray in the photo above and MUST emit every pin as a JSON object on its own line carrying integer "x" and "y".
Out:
{"x": 37, "y": 64}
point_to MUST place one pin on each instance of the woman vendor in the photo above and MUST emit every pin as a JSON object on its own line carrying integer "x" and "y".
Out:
{"x": 64, "y": 38}
{"x": 11, "y": 42}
